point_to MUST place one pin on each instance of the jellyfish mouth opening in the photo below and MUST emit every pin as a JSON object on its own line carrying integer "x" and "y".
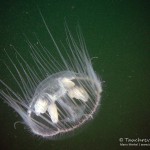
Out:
{"x": 61, "y": 103}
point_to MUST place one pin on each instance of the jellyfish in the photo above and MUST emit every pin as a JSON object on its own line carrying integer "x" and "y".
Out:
{"x": 68, "y": 94}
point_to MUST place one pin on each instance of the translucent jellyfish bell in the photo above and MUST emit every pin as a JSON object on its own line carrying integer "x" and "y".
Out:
{"x": 64, "y": 100}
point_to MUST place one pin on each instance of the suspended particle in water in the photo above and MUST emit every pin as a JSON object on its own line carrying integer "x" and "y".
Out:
{"x": 64, "y": 100}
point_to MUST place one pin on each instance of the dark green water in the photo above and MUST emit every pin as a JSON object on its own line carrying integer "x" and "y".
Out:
{"x": 118, "y": 33}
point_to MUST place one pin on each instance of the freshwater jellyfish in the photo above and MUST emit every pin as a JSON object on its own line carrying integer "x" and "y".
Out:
{"x": 66, "y": 95}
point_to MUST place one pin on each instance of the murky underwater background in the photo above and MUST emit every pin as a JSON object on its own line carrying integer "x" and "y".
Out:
{"x": 117, "y": 32}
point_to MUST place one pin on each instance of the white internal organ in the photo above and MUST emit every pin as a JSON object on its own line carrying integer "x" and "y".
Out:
{"x": 78, "y": 93}
{"x": 74, "y": 91}
{"x": 52, "y": 110}
{"x": 67, "y": 83}
{"x": 41, "y": 106}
